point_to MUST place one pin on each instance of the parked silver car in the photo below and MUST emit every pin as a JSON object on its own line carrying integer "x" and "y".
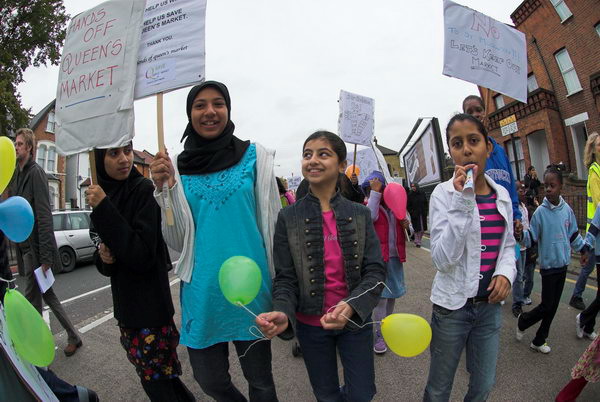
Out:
{"x": 72, "y": 233}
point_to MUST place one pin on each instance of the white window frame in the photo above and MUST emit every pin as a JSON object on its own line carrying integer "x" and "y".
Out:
{"x": 568, "y": 70}
{"x": 597, "y": 28}
{"x": 531, "y": 83}
{"x": 42, "y": 149}
{"x": 50, "y": 126}
{"x": 562, "y": 10}
{"x": 520, "y": 156}
{"x": 499, "y": 101}
{"x": 44, "y": 162}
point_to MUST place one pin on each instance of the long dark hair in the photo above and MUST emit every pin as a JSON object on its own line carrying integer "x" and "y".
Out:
{"x": 466, "y": 117}
{"x": 337, "y": 145}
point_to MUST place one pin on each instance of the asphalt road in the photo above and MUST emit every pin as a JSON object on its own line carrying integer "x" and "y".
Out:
{"x": 522, "y": 375}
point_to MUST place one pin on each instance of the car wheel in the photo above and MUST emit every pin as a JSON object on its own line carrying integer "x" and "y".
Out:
{"x": 67, "y": 258}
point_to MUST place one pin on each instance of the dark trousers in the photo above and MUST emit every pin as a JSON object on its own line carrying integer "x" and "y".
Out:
{"x": 211, "y": 370}
{"x": 167, "y": 390}
{"x": 552, "y": 287}
{"x": 587, "y": 319}
{"x": 320, "y": 348}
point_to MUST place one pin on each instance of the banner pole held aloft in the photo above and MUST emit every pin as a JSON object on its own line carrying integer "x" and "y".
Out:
{"x": 161, "y": 146}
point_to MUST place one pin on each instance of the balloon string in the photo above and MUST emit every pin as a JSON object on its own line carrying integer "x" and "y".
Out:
{"x": 356, "y": 297}
{"x": 261, "y": 336}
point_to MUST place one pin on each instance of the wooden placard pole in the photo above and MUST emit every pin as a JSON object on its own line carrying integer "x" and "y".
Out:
{"x": 354, "y": 160}
{"x": 162, "y": 148}
{"x": 92, "y": 157}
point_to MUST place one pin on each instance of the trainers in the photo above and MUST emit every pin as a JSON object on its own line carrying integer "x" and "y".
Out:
{"x": 502, "y": 303}
{"x": 527, "y": 301}
{"x": 380, "y": 347}
{"x": 577, "y": 303}
{"x": 545, "y": 349}
{"x": 517, "y": 310}
{"x": 591, "y": 336}
{"x": 578, "y": 329}
{"x": 519, "y": 333}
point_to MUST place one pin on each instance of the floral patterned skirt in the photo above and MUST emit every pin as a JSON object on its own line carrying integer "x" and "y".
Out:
{"x": 153, "y": 351}
{"x": 588, "y": 365}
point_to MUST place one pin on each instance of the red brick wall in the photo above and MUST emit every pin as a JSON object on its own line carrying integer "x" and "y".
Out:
{"x": 41, "y": 135}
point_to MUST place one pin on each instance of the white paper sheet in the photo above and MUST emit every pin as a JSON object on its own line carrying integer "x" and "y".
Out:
{"x": 44, "y": 281}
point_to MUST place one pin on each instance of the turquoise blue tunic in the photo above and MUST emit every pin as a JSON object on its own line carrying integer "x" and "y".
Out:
{"x": 224, "y": 208}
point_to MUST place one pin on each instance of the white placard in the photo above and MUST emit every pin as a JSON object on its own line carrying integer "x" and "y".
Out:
{"x": 367, "y": 162}
{"x": 509, "y": 129}
{"x": 484, "y": 51}
{"x": 26, "y": 371}
{"x": 94, "y": 98}
{"x": 293, "y": 182}
{"x": 356, "y": 120}
{"x": 172, "y": 51}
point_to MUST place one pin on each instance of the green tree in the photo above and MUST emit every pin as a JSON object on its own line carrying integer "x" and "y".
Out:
{"x": 31, "y": 33}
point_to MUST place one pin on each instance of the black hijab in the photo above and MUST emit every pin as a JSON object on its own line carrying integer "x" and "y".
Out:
{"x": 201, "y": 156}
{"x": 117, "y": 190}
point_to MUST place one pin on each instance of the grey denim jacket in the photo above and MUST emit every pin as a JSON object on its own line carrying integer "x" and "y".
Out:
{"x": 299, "y": 284}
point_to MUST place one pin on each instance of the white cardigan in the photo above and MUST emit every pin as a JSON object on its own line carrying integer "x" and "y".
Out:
{"x": 181, "y": 236}
{"x": 456, "y": 243}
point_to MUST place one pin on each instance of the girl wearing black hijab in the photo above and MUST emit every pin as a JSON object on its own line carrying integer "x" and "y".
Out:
{"x": 132, "y": 252}
{"x": 225, "y": 203}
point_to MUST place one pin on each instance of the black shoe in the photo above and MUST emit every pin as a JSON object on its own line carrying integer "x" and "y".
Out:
{"x": 517, "y": 311}
{"x": 577, "y": 303}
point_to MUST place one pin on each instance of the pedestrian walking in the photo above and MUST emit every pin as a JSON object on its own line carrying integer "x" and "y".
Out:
{"x": 225, "y": 203}
{"x": 418, "y": 208}
{"x": 473, "y": 250}
{"x": 39, "y": 250}
{"x": 329, "y": 276}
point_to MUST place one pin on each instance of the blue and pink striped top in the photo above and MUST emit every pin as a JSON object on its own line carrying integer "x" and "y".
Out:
{"x": 492, "y": 229}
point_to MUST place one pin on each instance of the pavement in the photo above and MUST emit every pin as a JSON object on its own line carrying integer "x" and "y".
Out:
{"x": 522, "y": 375}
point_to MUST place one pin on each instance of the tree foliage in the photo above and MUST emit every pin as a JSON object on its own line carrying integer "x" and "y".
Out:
{"x": 31, "y": 33}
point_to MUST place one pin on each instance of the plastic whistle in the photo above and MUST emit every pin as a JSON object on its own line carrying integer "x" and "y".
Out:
{"x": 469, "y": 182}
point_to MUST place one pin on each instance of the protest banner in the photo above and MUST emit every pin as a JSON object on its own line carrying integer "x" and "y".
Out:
{"x": 171, "y": 52}
{"x": 26, "y": 372}
{"x": 293, "y": 182}
{"x": 486, "y": 52}
{"x": 94, "y": 98}
{"x": 368, "y": 161}
{"x": 355, "y": 124}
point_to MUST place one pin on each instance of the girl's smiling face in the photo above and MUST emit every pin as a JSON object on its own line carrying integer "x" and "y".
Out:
{"x": 320, "y": 163}
{"x": 468, "y": 145}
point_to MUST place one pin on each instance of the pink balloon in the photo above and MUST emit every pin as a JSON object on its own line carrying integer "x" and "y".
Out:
{"x": 394, "y": 196}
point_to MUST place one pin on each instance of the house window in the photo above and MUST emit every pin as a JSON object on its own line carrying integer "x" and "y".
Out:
{"x": 532, "y": 84}
{"x": 51, "y": 122}
{"x": 498, "y": 101}
{"x": 520, "y": 159}
{"x": 568, "y": 72}
{"x": 41, "y": 156}
{"x": 561, "y": 9}
{"x": 597, "y": 28}
{"x": 46, "y": 156}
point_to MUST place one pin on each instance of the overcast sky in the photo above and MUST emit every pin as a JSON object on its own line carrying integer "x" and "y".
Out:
{"x": 285, "y": 62}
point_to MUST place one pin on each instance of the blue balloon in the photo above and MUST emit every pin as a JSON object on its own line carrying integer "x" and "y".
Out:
{"x": 16, "y": 218}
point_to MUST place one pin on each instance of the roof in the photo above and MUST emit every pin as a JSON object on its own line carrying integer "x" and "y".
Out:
{"x": 144, "y": 157}
{"x": 386, "y": 151}
{"x": 36, "y": 120}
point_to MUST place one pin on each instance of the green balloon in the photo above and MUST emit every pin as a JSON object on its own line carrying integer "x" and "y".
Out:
{"x": 28, "y": 331}
{"x": 240, "y": 280}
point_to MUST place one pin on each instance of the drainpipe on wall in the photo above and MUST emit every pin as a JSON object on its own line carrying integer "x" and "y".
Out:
{"x": 562, "y": 120}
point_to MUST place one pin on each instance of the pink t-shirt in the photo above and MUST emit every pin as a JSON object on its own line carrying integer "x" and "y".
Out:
{"x": 335, "y": 277}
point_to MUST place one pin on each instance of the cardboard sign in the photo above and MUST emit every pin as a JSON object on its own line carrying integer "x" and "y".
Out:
{"x": 172, "y": 52}
{"x": 94, "y": 98}
{"x": 484, "y": 51}
{"x": 368, "y": 161}
{"x": 293, "y": 182}
{"x": 356, "y": 120}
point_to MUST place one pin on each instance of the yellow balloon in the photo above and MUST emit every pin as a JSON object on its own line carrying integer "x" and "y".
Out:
{"x": 407, "y": 335}
{"x": 8, "y": 159}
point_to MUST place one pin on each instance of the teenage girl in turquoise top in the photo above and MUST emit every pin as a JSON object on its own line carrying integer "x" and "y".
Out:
{"x": 224, "y": 198}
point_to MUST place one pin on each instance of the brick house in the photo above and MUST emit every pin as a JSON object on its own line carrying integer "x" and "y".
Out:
{"x": 563, "y": 104}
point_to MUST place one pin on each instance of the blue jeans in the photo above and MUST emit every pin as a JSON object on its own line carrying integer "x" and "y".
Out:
{"x": 583, "y": 276}
{"x": 476, "y": 326}
{"x": 319, "y": 349}
{"x": 518, "y": 288}
{"x": 528, "y": 274}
